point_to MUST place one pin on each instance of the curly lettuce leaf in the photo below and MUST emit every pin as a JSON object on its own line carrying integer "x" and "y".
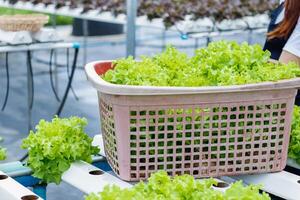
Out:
{"x": 294, "y": 146}
{"x": 56, "y": 145}
{"x": 2, "y": 151}
{"x": 221, "y": 63}
{"x": 162, "y": 187}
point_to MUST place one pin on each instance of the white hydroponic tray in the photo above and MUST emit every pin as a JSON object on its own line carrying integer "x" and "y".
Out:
{"x": 282, "y": 184}
{"x": 12, "y": 190}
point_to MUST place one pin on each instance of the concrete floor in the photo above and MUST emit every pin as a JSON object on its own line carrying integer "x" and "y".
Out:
{"x": 13, "y": 121}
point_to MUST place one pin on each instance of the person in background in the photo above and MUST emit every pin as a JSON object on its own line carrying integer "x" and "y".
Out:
{"x": 283, "y": 38}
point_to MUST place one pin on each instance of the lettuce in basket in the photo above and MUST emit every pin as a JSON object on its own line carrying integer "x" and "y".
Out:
{"x": 221, "y": 63}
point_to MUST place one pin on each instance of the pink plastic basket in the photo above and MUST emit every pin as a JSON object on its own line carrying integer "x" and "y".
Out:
{"x": 202, "y": 131}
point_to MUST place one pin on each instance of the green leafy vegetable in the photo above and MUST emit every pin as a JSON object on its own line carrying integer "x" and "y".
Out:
{"x": 56, "y": 145}
{"x": 294, "y": 146}
{"x": 162, "y": 187}
{"x": 239, "y": 192}
{"x": 2, "y": 151}
{"x": 221, "y": 63}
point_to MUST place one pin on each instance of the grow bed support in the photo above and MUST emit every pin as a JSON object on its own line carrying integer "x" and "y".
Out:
{"x": 92, "y": 15}
{"x": 131, "y": 21}
{"x": 30, "y": 82}
{"x": 131, "y": 27}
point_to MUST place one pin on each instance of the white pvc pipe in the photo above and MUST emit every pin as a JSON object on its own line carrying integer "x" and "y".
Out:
{"x": 12, "y": 190}
{"x": 88, "y": 178}
{"x": 37, "y": 47}
{"x": 282, "y": 184}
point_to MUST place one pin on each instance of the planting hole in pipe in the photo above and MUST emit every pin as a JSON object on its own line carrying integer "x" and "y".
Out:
{"x": 221, "y": 185}
{"x": 29, "y": 197}
{"x": 298, "y": 181}
{"x": 2, "y": 177}
{"x": 96, "y": 172}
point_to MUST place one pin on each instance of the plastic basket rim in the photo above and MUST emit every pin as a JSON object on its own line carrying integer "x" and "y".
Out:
{"x": 131, "y": 90}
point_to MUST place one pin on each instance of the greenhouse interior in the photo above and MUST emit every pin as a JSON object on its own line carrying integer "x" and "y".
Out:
{"x": 149, "y": 99}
